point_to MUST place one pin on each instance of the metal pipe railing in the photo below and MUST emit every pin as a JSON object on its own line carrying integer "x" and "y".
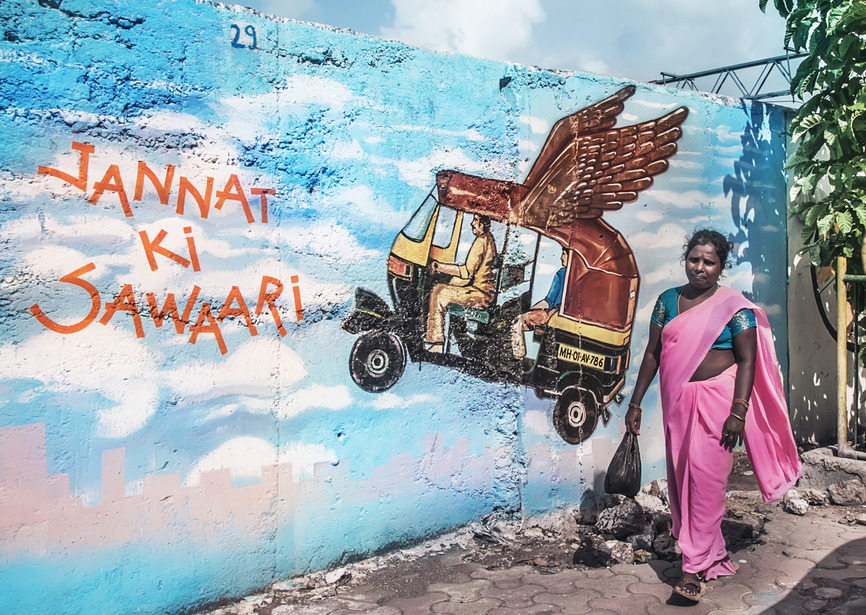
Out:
{"x": 843, "y": 448}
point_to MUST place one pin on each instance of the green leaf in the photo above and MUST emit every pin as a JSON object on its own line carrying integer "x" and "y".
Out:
{"x": 860, "y": 211}
{"x": 835, "y": 17}
{"x": 801, "y": 126}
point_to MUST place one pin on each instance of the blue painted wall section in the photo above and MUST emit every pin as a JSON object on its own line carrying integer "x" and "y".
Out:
{"x": 190, "y": 193}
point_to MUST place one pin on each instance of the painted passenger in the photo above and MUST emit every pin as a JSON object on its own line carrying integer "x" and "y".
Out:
{"x": 541, "y": 312}
{"x": 720, "y": 385}
{"x": 471, "y": 285}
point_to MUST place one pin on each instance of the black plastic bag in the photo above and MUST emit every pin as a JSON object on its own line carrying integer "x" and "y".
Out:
{"x": 623, "y": 473}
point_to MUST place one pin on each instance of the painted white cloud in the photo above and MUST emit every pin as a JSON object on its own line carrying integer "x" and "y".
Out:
{"x": 683, "y": 199}
{"x": 667, "y": 236}
{"x": 315, "y": 396}
{"x": 243, "y": 456}
{"x": 536, "y": 421}
{"x": 482, "y": 28}
{"x": 326, "y": 240}
{"x": 257, "y": 368}
{"x": 250, "y": 115}
{"x": 420, "y": 172}
{"x": 100, "y": 359}
{"x": 388, "y": 400}
{"x": 304, "y": 458}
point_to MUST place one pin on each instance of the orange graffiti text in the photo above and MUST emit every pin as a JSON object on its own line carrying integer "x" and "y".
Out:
{"x": 208, "y": 320}
{"x": 112, "y": 182}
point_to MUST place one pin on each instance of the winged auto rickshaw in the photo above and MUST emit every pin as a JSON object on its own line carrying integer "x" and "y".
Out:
{"x": 586, "y": 167}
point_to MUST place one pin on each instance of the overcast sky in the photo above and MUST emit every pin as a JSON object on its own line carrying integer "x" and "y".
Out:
{"x": 635, "y": 39}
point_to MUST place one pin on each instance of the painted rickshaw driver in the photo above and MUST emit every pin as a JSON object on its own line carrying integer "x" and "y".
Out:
{"x": 541, "y": 312}
{"x": 472, "y": 284}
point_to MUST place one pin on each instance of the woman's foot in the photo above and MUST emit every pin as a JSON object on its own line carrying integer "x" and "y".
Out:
{"x": 691, "y": 586}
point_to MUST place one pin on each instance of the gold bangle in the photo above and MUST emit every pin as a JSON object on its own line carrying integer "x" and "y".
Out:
{"x": 741, "y": 401}
{"x": 631, "y": 404}
{"x": 738, "y": 417}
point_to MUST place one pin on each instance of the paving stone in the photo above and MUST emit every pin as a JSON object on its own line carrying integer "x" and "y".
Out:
{"x": 422, "y": 605}
{"x": 841, "y": 574}
{"x": 729, "y": 596}
{"x": 366, "y": 593}
{"x": 825, "y": 557}
{"x": 535, "y": 609}
{"x": 852, "y": 607}
{"x": 598, "y": 573}
{"x": 652, "y": 572}
{"x": 560, "y": 582}
{"x": 752, "y": 610}
{"x": 614, "y": 585}
{"x": 678, "y": 604}
{"x": 853, "y": 559}
{"x": 766, "y": 599}
{"x": 380, "y": 610}
{"x": 574, "y": 604}
{"x": 813, "y": 605}
{"x": 322, "y": 608}
{"x": 660, "y": 590}
{"x": 636, "y": 603}
{"x": 461, "y": 592}
{"x": 517, "y": 597}
{"x": 504, "y": 577}
{"x": 828, "y": 593}
{"x": 476, "y": 607}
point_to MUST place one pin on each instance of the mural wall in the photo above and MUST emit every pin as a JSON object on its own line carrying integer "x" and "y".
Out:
{"x": 262, "y": 286}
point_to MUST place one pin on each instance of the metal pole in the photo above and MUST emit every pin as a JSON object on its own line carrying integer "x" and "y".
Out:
{"x": 841, "y": 354}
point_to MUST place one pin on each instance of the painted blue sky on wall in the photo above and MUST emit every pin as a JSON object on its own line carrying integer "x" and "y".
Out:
{"x": 350, "y": 154}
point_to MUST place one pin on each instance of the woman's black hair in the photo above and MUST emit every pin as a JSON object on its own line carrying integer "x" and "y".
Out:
{"x": 705, "y": 237}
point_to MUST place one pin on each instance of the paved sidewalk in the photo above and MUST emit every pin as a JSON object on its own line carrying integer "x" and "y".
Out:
{"x": 810, "y": 564}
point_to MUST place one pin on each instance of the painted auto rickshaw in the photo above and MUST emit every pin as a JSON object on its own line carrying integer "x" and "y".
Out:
{"x": 584, "y": 169}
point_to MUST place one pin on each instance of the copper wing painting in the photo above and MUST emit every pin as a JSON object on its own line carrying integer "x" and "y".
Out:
{"x": 470, "y": 309}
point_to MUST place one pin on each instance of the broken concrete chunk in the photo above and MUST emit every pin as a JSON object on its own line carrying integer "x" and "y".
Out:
{"x": 337, "y": 577}
{"x": 796, "y": 506}
{"x": 622, "y": 520}
{"x": 795, "y": 503}
{"x": 665, "y": 546}
{"x": 847, "y": 493}
{"x": 651, "y": 504}
{"x": 620, "y": 552}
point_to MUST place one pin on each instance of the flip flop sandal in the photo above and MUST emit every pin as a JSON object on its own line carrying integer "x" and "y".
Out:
{"x": 695, "y": 596}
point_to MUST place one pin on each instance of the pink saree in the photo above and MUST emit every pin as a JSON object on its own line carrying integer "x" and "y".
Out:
{"x": 694, "y": 413}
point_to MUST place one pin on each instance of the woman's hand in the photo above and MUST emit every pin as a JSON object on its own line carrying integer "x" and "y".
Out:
{"x": 632, "y": 420}
{"x": 732, "y": 432}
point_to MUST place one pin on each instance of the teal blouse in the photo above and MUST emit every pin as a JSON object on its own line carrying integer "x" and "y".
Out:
{"x": 667, "y": 307}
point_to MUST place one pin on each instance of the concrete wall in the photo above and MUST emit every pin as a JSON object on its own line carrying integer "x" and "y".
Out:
{"x": 191, "y": 194}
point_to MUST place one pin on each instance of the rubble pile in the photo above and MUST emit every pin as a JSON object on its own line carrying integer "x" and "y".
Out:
{"x": 619, "y": 529}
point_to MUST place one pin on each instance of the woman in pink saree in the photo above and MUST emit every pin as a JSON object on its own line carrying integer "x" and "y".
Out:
{"x": 720, "y": 386}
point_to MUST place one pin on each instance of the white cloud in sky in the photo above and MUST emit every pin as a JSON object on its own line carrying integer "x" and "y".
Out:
{"x": 304, "y": 458}
{"x": 691, "y": 199}
{"x": 420, "y": 172}
{"x": 256, "y": 368}
{"x": 99, "y": 359}
{"x": 315, "y": 396}
{"x": 667, "y": 236}
{"x": 636, "y": 39}
{"x": 244, "y": 456}
{"x": 492, "y": 29}
{"x": 388, "y": 400}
